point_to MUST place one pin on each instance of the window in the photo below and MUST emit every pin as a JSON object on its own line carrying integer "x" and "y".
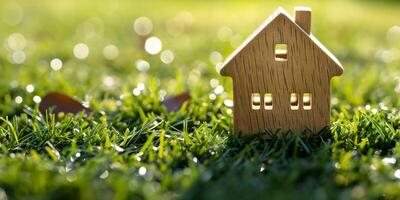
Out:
{"x": 256, "y": 101}
{"x": 307, "y": 102}
{"x": 294, "y": 101}
{"x": 268, "y": 101}
{"x": 281, "y": 52}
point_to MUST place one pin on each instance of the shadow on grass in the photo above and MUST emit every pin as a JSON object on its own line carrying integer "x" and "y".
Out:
{"x": 280, "y": 168}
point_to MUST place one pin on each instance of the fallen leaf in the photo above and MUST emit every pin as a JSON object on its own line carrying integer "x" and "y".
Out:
{"x": 61, "y": 103}
{"x": 175, "y": 102}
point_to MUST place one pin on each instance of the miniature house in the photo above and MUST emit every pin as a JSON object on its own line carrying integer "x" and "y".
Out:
{"x": 281, "y": 77}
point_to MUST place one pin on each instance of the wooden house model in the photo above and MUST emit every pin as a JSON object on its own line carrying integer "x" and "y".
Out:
{"x": 281, "y": 76}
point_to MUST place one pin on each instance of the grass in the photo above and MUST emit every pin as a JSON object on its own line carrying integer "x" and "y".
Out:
{"x": 130, "y": 147}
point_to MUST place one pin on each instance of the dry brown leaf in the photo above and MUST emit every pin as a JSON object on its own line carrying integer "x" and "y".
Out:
{"x": 61, "y": 103}
{"x": 175, "y": 102}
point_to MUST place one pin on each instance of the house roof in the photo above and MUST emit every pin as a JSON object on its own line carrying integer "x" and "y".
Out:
{"x": 280, "y": 12}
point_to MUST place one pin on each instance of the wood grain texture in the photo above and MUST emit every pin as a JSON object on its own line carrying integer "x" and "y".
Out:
{"x": 303, "y": 18}
{"x": 254, "y": 69}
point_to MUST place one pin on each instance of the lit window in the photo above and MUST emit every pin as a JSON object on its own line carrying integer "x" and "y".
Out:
{"x": 307, "y": 102}
{"x": 268, "y": 101}
{"x": 294, "y": 101}
{"x": 256, "y": 101}
{"x": 281, "y": 52}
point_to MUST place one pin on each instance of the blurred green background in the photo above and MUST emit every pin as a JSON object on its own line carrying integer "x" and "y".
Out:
{"x": 195, "y": 36}
{"x": 104, "y": 52}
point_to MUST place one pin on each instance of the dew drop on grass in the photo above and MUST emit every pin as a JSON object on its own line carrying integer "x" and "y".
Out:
{"x": 161, "y": 94}
{"x": 262, "y": 168}
{"x": 228, "y": 103}
{"x": 30, "y": 88}
{"x": 53, "y": 151}
{"x": 389, "y": 161}
{"x": 337, "y": 165}
{"x": 397, "y": 173}
{"x": 142, "y": 171}
{"x": 153, "y": 45}
{"x": 136, "y": 92}
{"x": 18, "y": 99}
{"x": 143, "y": 26}
{"x": 104, "y": 175}
{"x": 117, "y": 148}
{"x": 219, "y": 89}
{"x": 81, "y": 51}
{"x": 212, "y": 96}
{"x": 37, "y": 99}
{"x": 115, "y": 165}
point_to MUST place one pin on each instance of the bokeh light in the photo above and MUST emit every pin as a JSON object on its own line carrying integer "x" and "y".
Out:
{"x": 142, "y": 171}
{"x": 18, "y": 57}
{"x": 219, "y": 89}
{"x": 12, "y": 14}
{"x": 16, "y": 41}
{"x": 56, "y": 64}
{"x": 214, "y": 83}
{"x": 153, "y": 45}
{"x": 37, "y": 99}
{"x": 167, "y": 56}
{"x": 142, "y": 65}
{"x": 30, "y": 88}
{"x": 216, "y": 57}
{"x": 143, "y": 26}
{"x": 228, "y": 103}
{"x": 393, "y": 34}
{"x": 224, "y": 33}
{"x": 110, "y": 52}
{"x": 19, "y": 99}
{"x": 108, "y": 82}
{"x": 81, "y": 51}
{"x": 136, "y": 92}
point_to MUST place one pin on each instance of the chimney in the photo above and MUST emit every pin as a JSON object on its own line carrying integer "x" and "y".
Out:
{"x": 303, "y": 18}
